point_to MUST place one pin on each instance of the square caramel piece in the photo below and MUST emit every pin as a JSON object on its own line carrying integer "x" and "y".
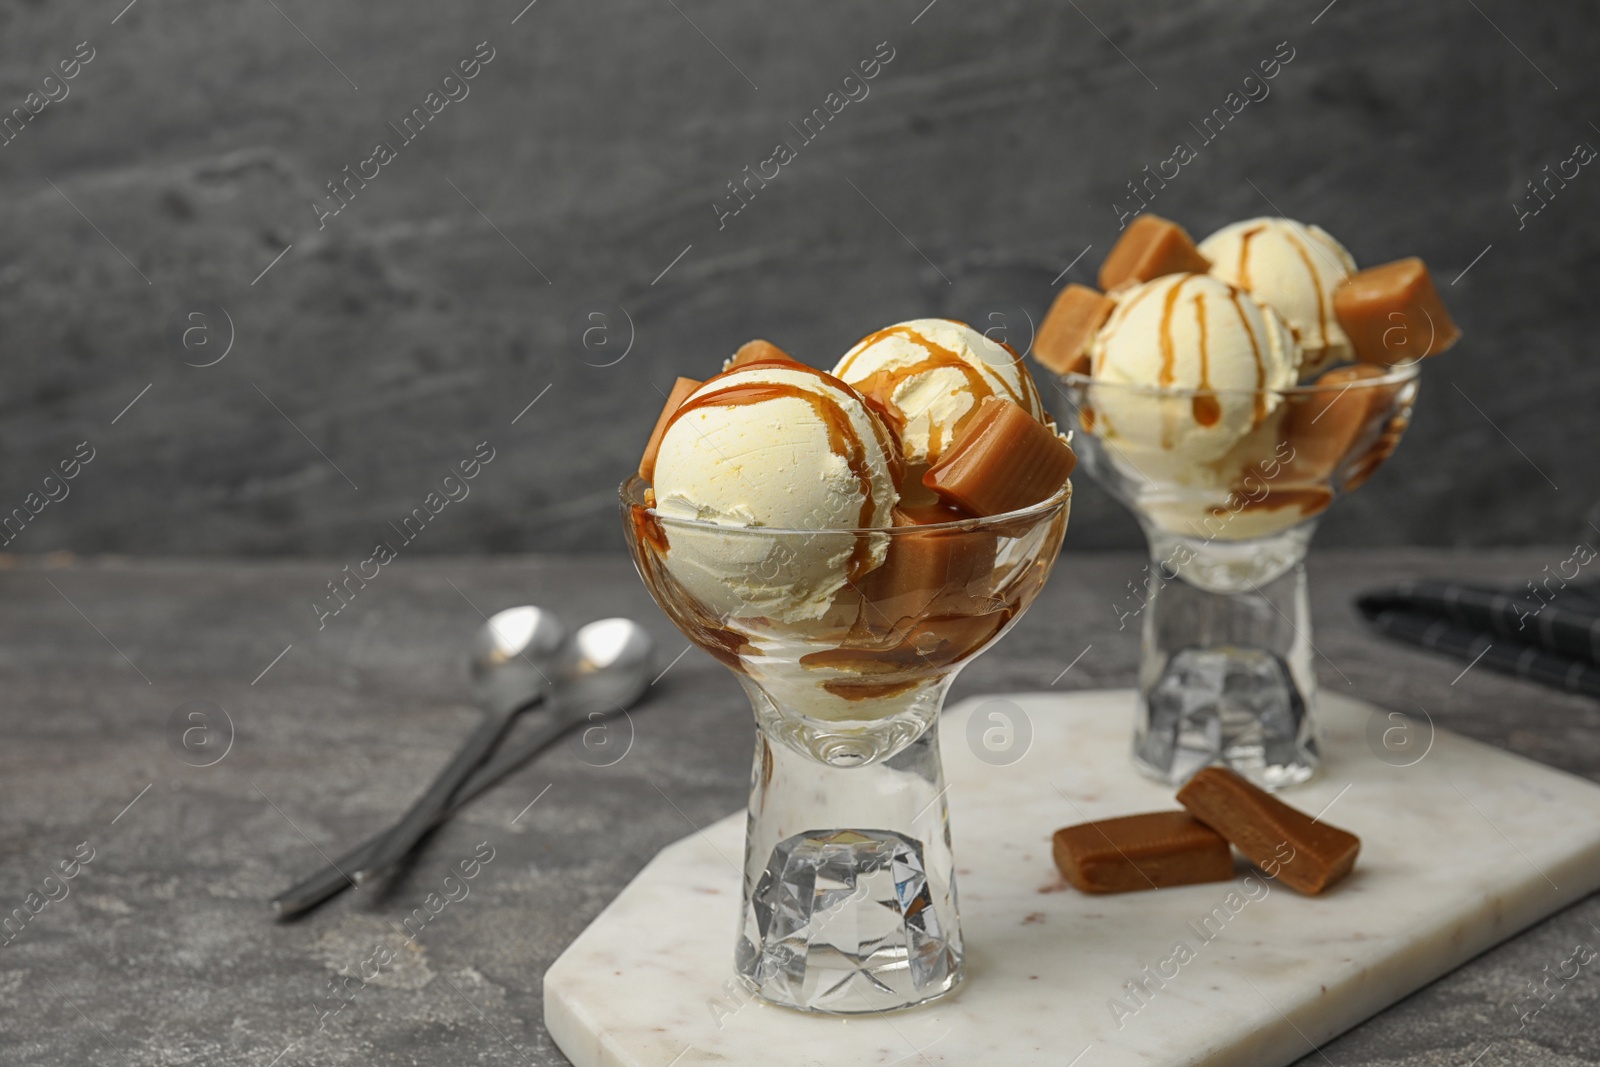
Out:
{"x": 1323, "y": 426}
{"x": 929, "y": 573}
{"x": 1393, "y": 313}
{"x": 1304, "y": 854}
{"x": 680, "y": 392}
{"x": 1074, "y": 318}
{"x": 1002, "y": 460}
{"x": 1150, "y": 247}
{"x": 1149, "y": 851}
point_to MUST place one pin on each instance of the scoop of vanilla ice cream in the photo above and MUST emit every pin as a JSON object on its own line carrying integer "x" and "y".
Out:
{"x": 1187, "y": 332}
{"x": 778, "y": 447}
{"x": 1295, "y": 268}
{"x": 928, "y": 375}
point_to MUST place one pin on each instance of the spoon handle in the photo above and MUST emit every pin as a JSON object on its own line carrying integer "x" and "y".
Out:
{"x": 425, "y": 811}
{"x": 319, "y": 887}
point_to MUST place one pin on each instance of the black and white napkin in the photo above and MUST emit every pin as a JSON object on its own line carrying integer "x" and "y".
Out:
{"x": 1554, "y": 641}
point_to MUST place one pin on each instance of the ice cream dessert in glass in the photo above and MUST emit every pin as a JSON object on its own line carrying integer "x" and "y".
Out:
{"x": 1228, "y": 393}
{"x": 845, "y": 543}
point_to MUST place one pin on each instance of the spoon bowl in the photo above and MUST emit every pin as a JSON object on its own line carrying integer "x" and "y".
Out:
{"x": 518, "y": 657}
{"x": 610, "y": 668}
{"x": 515, "y": 656}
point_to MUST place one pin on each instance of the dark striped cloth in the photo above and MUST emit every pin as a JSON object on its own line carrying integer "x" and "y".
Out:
{"x": 1555, "y": 642}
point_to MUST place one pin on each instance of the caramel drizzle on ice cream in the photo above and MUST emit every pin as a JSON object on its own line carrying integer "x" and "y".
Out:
{"x": 1316, "y": 285}
{"x": 1168, "y": 355}
{"x": 1123, "y": 310}
{"x": 1169, "y": 358}
{"x": 843, "y": 440}
{"x": 1255, "y": 350}
{"x": 1207, "y": 410}
{"x": 1244, "y": 255}
{"x": 880, "y": 386}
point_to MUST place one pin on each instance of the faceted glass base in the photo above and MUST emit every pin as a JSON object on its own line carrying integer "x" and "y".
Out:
{"x": 1234, "y": 706}
{"x": 846, "y": 924}
{"x": 1225, "y": 672}
{"x": 849, "y": 881}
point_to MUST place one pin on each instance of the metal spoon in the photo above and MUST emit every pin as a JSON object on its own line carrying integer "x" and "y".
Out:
{"x": 608, "y": 672}
{"x": 514, "y": 656}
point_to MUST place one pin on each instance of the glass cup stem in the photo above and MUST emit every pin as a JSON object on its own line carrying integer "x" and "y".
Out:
{"x": 849, "y": 881}
{"x": 1226, "y": 673}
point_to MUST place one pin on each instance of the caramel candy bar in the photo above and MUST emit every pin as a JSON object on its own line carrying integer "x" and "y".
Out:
{"x": 1150, "y": 247}
{"x": 680, "y": 392}
{"x": 757, "y": 351}
{"x": 1150, "y": 851}
{"x": 937, "y": 572}
{"x": 1074, "y": 318}
{"x": 928, "y": 514}
{"x": 1003, "y": 459}
{"x": 1393, "y": 313}
{"x": 1304, "y": 855}
{"x": 1322, "y": 427}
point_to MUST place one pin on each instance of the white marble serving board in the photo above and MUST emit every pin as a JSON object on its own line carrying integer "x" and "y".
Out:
{"x": 1459, "y": 851}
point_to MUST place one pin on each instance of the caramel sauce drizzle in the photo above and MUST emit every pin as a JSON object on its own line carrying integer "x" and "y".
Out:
{"x": 650, "y": 546}
{"x": 1207, "y": 410}
{"x": 843, "y": 440}
{"x": 1244, "y": 255}
{"x": 1255, "y": 350}
{"x": 1166, "y": 375}
{"x": 1123, "y": 310}
{"x": 1310, "y": 499}
{"x": 1168, "y": 356}
{"x": 1316, "y": 283}
{"x": 881, "y": 384}
{"x": 647, "y": 528}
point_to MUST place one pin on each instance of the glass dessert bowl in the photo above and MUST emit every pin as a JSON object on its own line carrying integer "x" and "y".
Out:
{"x": 1229, "y": 486}
{"x": 1228, "y": 392}
{"x": 846, "y": 641}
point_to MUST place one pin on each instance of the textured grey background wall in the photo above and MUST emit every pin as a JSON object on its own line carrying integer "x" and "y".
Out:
{"x": 579, "y": 171}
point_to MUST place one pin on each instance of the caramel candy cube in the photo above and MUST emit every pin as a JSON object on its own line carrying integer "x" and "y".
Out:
{"x": 1150, "y": 247}
{"x": 1002, "y": 460}
{"x": 1288, "y": 845}
{"x": 680, "y": 392}
{"x": 757, "y": 351}
{"x": 1322, "y": 427}
{"x": 1150, "y": 851}
{"x": 1393, "y": 313}
{"x": 1074, "y": 318}
{"x": 932, "y": 573}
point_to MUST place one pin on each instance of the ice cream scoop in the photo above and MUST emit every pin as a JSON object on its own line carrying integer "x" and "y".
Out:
{"x": 1295, "y": 268}
{"x": 928, "y": 376}
{"x": 781, "y": 446}
{"x": 1189, "y": 332}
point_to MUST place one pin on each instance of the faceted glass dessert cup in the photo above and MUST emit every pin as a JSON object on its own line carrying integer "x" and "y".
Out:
{"x": 846, "y": 642}
{"x": 1229, "y": 487}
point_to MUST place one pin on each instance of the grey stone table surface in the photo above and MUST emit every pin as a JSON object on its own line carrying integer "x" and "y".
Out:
{"x": 163, "y": 952}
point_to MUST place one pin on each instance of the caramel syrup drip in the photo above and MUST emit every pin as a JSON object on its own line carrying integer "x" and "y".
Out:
{"x": 1118, "y": 316}
{"x": 1167, "y": 374}
{"x": 647, "y": 528}
{"x": 1255, "y": 350}
{"x": 1207, "y": 409}
{"x": 1316, "y": 284}
{"x": 881, "y": 384}
{"x": 848, "y": 689}
{"x": 1168, "y": 355}
{"x": 1244, "y": 255}
{"x": 728, "y": 647}
{"x": 912, "y": 647}
{"x": 1310, "y": 499}
{"x": 843, "y": 440}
